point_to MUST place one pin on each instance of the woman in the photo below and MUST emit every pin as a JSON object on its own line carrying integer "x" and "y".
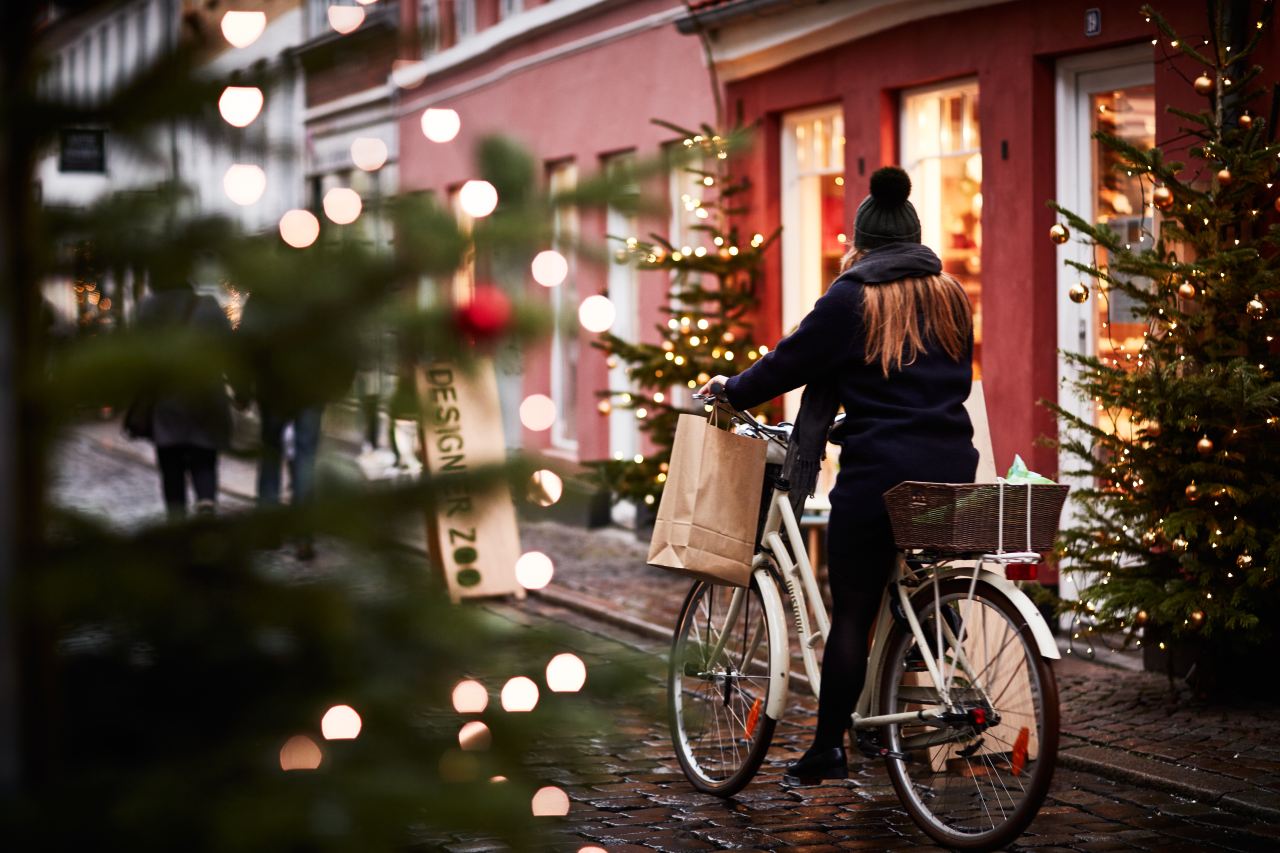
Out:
{"x": 891, "y": 341}
{"x": 188, "y": 425}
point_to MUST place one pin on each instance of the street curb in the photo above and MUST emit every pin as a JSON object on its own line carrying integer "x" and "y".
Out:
{"x": 1223, "y": 791}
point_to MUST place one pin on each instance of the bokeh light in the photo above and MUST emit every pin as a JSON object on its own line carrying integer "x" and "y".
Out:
{"x": 244, "y": 183}
{"x": 478, "y": 198}
{"x": 299, "y": 228}
{"x": 240, "y": 105}
{"x": 368, "y": 153}
{"x": 341, "y": 722}
{"x": 242, "y": 29}
{"x": 534, "y": 570}
{"x": 470, "y": 697}
{"x": 566, "y": 673}
{"x": 474, "y": 735}
{"x": 545, "y": 487}
{"x": 300, "y": 753}
{"x": 550, "y": 268}
{"x": 537, "y": 412}
{"x": 592, "y": 849}
{"x": 346, "y": 19}
{"x": 550, "y": 802}
{"x": 596, "y": 313}
{"x": 440, "y": 124}
{"x": 342, "y": 205}
{"x": 520, "y": 694}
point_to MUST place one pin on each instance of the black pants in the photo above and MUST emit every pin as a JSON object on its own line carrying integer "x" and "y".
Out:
{"x": 860, "y": 558}
{"x": 179, "y": 461}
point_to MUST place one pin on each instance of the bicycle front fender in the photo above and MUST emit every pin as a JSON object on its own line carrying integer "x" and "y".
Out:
{"x": 779, "y": 652}
{"x": 1039, "y": 628}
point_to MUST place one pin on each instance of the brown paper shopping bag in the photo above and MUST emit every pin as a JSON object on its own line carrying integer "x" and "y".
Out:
{"x": 706, "y": 524}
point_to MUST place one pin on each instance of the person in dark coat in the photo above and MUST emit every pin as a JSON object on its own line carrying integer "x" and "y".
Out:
{"x": 189, "y": 425}
{"x": 893, "y": 338}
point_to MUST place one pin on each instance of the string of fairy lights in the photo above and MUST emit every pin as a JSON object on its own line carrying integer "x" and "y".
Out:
{"x": 1192, "y": 217}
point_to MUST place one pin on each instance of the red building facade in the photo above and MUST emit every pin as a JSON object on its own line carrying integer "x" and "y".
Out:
{"x": 989, "y": 105}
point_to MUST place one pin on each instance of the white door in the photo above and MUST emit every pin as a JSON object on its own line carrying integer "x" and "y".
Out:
{"x": 624, "y": 438}
{"x": 1111, "y": 91}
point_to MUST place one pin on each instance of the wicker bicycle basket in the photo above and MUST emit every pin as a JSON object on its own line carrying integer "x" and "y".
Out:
{"x": 966, "y": 518}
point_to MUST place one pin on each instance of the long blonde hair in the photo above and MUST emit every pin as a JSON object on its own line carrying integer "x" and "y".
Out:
{"x": 903, "y": 317}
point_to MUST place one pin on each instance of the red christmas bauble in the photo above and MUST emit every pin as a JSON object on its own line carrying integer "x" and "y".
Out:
{"x": 486, "y": 315}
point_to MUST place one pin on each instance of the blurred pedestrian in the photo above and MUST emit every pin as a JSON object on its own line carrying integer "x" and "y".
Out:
{"x": 189, "y": 424}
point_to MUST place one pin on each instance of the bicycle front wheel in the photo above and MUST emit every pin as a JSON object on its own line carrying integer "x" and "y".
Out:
{"x": 719, "y": 686}
{"x": 976, "y": 780}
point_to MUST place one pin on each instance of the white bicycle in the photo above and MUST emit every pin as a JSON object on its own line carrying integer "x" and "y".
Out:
{"x": 969, "y": 734}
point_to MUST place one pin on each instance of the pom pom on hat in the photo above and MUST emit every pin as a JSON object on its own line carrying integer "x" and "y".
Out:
{"x": 890, "y": 186}
{"x": 886, "y": 216}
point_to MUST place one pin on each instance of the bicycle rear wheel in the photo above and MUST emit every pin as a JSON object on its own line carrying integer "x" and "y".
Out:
{"x": 718, "y": 686}
{"x": 976, "y": 781}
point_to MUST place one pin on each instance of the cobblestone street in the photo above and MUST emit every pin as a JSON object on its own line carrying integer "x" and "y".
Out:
{"x": 1137, "y": 771}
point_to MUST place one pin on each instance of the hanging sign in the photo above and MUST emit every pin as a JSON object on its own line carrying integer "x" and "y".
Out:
{"x": 471, "y": 532}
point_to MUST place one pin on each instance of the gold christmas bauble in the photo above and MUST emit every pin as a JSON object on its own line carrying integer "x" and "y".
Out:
{"x": 1140, "y": 618}
{"x": 1078, "y": 293}
{"x": 1225, "y": 177}
{"x": 1256, "y": 308}
{"x": 1059, "y": 233}
{"x": 1197, "y": 618}
{"x": 1245, "y": 560}
{"x": 1192, "y": 491}
{"x": 1245, "y": 121}
{"x": 1203, "y": 84}
{"x": 1204, "y": 445}
{"x": 1277, "y": 204}
{"x": 1187, "y": 290}
{"x": 604, "y": 407}
{"x": 1162, "y": 197}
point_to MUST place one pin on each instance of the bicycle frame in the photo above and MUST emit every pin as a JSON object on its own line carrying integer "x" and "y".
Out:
{"x": 802, "y": 584}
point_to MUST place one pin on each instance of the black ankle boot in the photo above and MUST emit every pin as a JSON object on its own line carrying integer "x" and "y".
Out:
{"x": 818, "y": 764}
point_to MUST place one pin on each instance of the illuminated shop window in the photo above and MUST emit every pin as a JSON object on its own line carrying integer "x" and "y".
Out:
{"x": 1117, "y": 199}
{"x": 941, "y": 151}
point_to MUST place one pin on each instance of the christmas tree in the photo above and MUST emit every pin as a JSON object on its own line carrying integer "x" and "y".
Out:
{"x": 708, "y": 330}
{"x": 1178, "y": 527}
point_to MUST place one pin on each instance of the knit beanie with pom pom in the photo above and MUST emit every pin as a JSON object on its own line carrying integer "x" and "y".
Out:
{"x": 886, "y": 216}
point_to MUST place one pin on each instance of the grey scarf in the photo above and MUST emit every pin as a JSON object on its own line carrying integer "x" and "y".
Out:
{"x": 821, "y": 400}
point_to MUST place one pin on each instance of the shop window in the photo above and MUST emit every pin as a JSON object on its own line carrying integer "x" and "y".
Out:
{"x": 1117, "y": 201}
{"x": 429, "y": 24}
{"x": 565, "y": 344}
{"x": 941, "y": 151}
{"x": 511, "y": 7}
{"x": 464, "y": 19}
{"x": 816, "y": 235}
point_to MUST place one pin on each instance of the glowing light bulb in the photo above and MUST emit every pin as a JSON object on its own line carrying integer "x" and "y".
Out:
{"x": 240, "y": 105}
{"x": 342, "y": 204}
{"x": 470, "y": 697}
{"x": 440, "y": 125}
{"x": 368, "y": 153}
{"x": 299, "y": 228}
{"x": 596, "y": 313}
{"x": 550, "y": 268}
{"x": 474, "y": 736}
{"x": 341, "y": 722}
{"x": 545, "y": 487}
{"x": 550, "y": 802}
{"x": 537, "y": 412}
{"x": 478, "y": 198}
{"x": 300, "y": 753}
{"x": 242, "y": 29}
{"x": 566, "y": 673}
{"x": 345, "y": 19}
{"x": 519, "y": 695}
{"x": 534, "y": 570}
{"x": 244, "y": 183}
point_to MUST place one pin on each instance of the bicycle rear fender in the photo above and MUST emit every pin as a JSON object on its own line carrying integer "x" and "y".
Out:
{"x": 779, "y": 653}
{"x": 1035, "y": 620}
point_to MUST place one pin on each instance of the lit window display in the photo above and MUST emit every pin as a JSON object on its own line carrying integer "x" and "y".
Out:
{"x": 941, "y": 150}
